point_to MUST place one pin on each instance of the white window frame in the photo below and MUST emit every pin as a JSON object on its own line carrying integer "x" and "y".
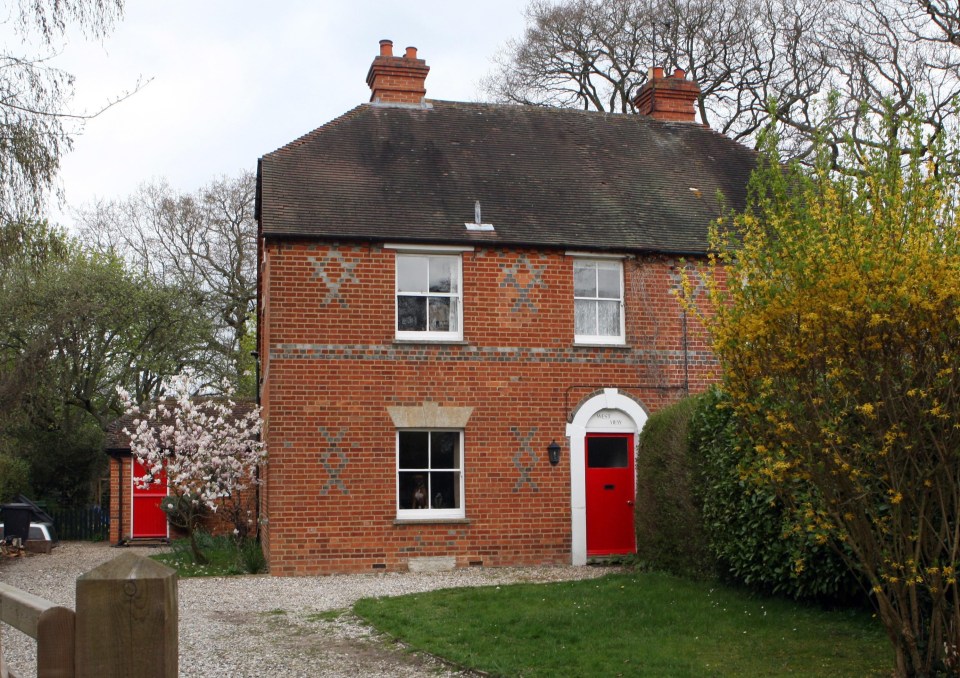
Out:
{"x": 455, "y": 333}
{"x": 430, "y": 513}
{"x": 611, "y": 339}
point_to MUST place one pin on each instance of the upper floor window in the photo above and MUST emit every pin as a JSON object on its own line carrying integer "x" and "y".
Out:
{"x": 429, "y": 296}
{"x": 598, "y": 301}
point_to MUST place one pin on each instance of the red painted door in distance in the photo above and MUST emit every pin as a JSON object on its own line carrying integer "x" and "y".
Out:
{"x": 149, "y": 520}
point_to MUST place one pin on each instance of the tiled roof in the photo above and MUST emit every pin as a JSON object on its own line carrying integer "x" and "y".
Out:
{"x": 543, "y": 176}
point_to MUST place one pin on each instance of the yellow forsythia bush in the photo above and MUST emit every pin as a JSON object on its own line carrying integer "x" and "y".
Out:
{"x": 836, "y": 316}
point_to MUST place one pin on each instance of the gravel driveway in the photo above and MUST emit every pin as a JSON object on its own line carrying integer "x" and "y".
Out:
{"x": 262, "y": 625}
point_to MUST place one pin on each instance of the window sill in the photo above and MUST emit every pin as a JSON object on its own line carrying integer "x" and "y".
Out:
{"x": 431, "y": 521}
{"x": 449, "y": 342}
{"x": 586, "y": 345}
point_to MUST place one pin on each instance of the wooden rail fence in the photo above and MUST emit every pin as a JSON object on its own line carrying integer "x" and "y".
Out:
{"x": 125, "y": 623}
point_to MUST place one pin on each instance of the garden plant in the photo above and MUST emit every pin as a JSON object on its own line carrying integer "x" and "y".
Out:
{"x": 209, "y": 455}
{"x": 836, "y": 317}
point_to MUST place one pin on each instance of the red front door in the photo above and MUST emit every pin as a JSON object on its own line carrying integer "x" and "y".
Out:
{"x": 610, "y": 494}
{"x": 149, "y": 520}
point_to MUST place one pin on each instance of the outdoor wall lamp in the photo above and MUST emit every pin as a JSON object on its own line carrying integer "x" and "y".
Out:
{"x": 553, "y": 451}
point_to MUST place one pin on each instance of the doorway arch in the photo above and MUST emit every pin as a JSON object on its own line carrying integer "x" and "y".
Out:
{"x": 607, "y": 412}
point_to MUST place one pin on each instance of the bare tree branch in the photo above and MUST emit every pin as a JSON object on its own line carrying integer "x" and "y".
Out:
{"x": 204, "y": 242}
{"x": 36, "y": 123}
{"x": 823, "y": 67}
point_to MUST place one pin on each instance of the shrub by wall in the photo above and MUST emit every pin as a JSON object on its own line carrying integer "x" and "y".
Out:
{"x": 751, "y": 532}
{"x": 669, "y": 525}
{"x": 14, "y": 477}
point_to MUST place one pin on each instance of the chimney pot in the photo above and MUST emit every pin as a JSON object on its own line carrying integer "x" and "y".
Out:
{"x": 397, "y": 80}
{"x": 672, "y": 99}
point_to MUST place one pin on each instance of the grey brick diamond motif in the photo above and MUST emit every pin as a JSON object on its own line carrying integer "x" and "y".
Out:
{"x": 333, "y": 469}
{"x": 526, "y": 449}
{"x": 512, "y": 279}
{"x": 696, "y": 277}
{"x": 326, "y": 272}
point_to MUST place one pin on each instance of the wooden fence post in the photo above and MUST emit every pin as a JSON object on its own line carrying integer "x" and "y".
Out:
{"x": 51, "y": 625}
{"x": 55, "y": 646}
{"x": 126, "y": 622}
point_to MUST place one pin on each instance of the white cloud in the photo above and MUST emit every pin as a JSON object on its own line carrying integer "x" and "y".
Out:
{"x": 232, "y": 80}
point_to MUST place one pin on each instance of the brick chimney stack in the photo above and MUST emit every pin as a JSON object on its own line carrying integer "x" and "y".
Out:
{"x": 397, "y": 80}
{"x": 668, "y": 98}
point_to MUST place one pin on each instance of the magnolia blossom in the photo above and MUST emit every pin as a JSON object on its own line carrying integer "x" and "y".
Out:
{"x": 206, "y": 452}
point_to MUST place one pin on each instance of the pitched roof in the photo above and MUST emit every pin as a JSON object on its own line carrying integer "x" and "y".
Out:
{"x": 543, "y": 176}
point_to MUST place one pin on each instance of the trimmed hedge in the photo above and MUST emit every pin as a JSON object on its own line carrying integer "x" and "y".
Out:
{"x": 697, "y": 516}
{"x": 669, "y": 525}
{"x": 753, "y": 535}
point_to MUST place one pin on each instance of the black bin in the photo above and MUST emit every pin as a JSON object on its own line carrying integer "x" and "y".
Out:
{"x": 16, "y": 520}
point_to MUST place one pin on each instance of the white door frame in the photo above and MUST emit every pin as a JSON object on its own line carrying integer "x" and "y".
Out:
{"x": 610, "y": 399}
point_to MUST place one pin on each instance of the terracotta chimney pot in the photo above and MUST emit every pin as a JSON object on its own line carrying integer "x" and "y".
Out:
{"x": 672, "y": 98}
{"x": 397, "y": 80}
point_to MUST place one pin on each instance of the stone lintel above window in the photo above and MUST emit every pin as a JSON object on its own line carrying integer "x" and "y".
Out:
{"x": 430, "y": 415}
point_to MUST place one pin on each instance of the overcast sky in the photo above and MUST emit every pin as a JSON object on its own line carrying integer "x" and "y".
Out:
{"x": 232, "y": 80}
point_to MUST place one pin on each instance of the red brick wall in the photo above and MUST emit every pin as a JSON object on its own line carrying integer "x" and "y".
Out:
{"x": 119, "y": 499}
{"x": 332, "y": 367}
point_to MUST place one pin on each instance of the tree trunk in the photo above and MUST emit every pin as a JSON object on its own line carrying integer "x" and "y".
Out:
{"x": 198, "y": 557}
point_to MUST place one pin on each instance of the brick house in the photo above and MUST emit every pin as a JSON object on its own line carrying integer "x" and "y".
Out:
{"x": 466, "y": 314}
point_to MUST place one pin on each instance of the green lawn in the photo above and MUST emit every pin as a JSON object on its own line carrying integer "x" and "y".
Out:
{"x": 640, "y": 624}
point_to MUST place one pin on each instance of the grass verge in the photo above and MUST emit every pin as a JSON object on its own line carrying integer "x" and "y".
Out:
{"x": 638, "y": 624}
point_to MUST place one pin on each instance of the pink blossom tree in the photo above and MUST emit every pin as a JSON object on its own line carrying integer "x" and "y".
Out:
{"x": 208, "y": 451}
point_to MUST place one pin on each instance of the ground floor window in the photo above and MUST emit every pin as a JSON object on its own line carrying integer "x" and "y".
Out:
{"x": 429, "y": 474}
